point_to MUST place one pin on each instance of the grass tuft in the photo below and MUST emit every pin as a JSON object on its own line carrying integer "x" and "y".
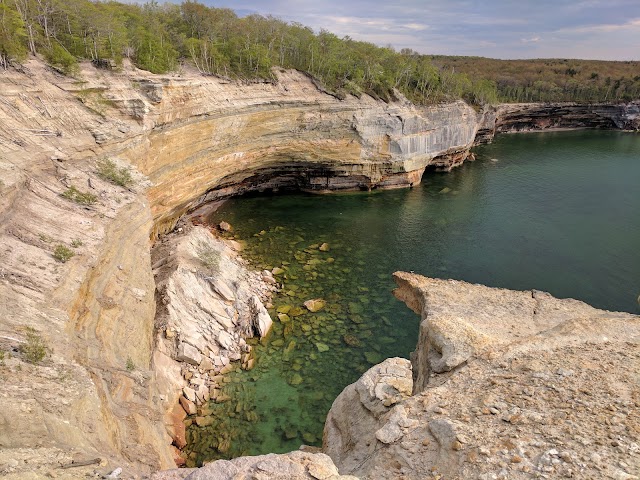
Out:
{"x": 110, "y": 171}
{"x": 78, "y": 196}
{"x": 62, "y": 253}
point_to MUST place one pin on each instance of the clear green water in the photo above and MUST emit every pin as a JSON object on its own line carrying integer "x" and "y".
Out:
{"x": 557, "y": 211}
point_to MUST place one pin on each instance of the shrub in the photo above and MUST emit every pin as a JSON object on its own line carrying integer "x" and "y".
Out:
{"x": 61, "y": 59}
{"x": 62, "y": 253}
{"x": 209, "y": 257}
{"x": 76, "y": 242}
{"x": 119, "y": 176}
{"x": 130, "y": 365}
{"x": 34, "y": 349}
{"x": 78, "y": 196}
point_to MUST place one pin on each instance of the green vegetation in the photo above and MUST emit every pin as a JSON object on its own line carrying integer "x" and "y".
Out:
{"x": 78, "y": 196}
{"x": 119, "y": 176}
{"x": 34, "y": 349}
{"x": 159, "y": 37}
{"x": 551, "y": 80}
{"x": 209, "y": 257}
{"x": 130, "y": 365}
{"x": 76, "y": 242}
{"x": 62, "y": 253}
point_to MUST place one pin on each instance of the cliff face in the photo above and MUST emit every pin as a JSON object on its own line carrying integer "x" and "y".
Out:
{"x": 522, "y": 117}
{"x": 188, "y": 139}
{"x": 506, "y": 385}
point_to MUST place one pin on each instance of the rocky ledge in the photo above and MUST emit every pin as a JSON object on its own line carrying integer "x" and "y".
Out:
{"x": 526, "y": 117}
{"x": 506, "y": 384}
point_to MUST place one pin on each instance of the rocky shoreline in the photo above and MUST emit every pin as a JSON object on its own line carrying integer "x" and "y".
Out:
{"x": 503, "y": 384}
{"x": 76, "y": 261}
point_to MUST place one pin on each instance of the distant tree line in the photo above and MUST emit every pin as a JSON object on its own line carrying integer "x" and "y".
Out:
{"x": 551, "y": 80}
{"x": 216, "y": 41}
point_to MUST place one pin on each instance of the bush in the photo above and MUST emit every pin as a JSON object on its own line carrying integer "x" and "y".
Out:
{"x": 130, "y": 365}
{"x": 76, "y": 242}
{"x": 78, "y": 196}
{"x": 209, "y": 257}
{"x": 119, "y": 176}
{"x": 62, "y": 253}
{"x": 61, "y": 59}
{"x": 35, "y": 349}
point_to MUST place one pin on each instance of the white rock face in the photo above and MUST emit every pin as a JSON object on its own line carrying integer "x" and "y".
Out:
{"x": 262, "y": 321}
{"x": 209, "y": 302}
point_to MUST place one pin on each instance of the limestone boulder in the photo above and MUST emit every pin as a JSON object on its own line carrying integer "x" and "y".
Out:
{"x": 358, "y": 413}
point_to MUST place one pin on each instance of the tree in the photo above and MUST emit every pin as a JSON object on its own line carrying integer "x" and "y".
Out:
{"x": 12, "y": 36}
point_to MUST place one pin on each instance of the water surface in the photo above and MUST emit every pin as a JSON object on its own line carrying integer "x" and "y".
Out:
{"x": 557, "y": 211}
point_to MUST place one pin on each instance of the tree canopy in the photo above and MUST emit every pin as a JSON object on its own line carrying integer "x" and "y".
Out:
{"x": 158, "y": 37}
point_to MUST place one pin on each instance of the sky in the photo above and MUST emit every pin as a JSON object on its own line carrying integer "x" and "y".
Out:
{"x": 586, "y": 29}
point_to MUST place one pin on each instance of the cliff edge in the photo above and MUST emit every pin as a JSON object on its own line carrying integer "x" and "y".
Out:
{"x": 506, "y": 384}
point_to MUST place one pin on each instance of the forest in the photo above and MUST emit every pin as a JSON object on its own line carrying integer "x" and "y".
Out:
{"x": 161, "y": 38}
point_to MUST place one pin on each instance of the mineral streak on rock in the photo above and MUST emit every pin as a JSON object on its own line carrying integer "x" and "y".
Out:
{"x": 506, "y": 384}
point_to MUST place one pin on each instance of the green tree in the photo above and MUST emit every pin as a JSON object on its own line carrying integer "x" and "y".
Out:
{"x": 12, "y": 35}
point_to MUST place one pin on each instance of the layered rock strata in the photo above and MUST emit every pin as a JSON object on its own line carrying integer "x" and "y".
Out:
{"x": 525, "y": 117}
{"x": 185, "y": 139}
{"x": 506, "y": 384}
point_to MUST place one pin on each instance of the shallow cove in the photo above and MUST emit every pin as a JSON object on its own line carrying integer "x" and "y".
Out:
{"x": 555, "y": 211}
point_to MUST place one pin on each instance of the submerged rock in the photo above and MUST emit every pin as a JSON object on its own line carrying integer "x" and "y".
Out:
{"x": 315, "y": 305}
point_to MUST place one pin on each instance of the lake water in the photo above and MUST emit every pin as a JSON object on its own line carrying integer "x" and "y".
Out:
{"x": 556, "y": 211}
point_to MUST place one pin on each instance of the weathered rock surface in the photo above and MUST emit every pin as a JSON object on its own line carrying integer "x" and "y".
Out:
{"x": 187, "y": 139}
{"x": 507, "y": 385}
{"x": 209, "y": 303}
{"x": 523, "y": 117}
{"x": 291, "y": 466}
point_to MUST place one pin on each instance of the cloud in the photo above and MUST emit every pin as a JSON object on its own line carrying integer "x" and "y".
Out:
{"x": 605, "y": 29}
{"x": 599, "y": 28}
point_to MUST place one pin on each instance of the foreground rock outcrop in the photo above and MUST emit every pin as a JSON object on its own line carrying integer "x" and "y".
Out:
{"x": 297, "y": 465}
{"x": 506, "y": 385}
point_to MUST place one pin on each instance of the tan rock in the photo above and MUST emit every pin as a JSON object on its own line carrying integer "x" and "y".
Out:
{"x": 488, "y": 360}
{"x": 188, "y": 406}
{"x": 315, "y": 305}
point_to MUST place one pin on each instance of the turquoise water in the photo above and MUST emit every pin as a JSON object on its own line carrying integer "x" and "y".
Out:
{"x": 556, "y": 211}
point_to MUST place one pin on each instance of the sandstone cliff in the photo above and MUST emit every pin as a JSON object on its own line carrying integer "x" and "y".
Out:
{"x": 506, "y": 385}
{"x": 522, "y": 117}
{"x": 186, "y": 139}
